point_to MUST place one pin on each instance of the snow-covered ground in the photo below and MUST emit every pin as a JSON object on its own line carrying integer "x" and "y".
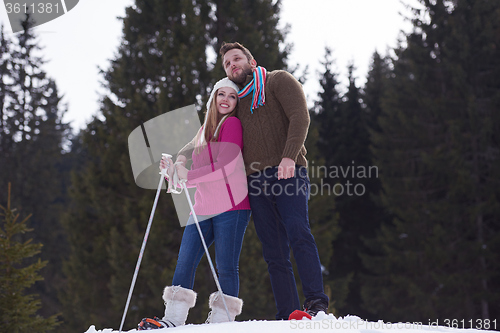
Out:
{"x": 325, "y": 323}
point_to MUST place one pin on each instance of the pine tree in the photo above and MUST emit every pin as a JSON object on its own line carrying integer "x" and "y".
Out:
{"x": 31, "y": 138}
{"x": 5, "y": 139}
{"x": 254, "y": 24}
{"x": 19, "y": 309}
{"x": 160, "y": 66}
{"x": 437, "y": 153}
{"x": 322, "y": 217}
{"x": 372, "y": 95}
{"x": 322, "y": 205}
{"x": 375, "y": 89}
{"x": 350, "y": 175}
{"x": 327, "y": 108}
{"x": 251, "y": 23}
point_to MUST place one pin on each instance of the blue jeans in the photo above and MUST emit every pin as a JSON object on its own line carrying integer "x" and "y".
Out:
{"x": 280, "y": 214}
{"x": 226, "y": 230}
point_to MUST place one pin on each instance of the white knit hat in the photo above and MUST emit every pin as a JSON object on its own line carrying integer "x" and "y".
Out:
{"x": 225, "y": 82}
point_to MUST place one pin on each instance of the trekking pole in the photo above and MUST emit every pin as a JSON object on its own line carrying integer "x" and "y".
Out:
{"x": 163, "y": 173}
{"x": 205, "y": 247}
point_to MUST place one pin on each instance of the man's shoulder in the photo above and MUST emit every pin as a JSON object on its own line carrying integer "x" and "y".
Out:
{"x": 278, "y": 73}
{"x": 280, "y": 76}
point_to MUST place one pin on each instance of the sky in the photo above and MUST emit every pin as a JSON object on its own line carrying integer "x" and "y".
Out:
{"x": 84, "y": 39}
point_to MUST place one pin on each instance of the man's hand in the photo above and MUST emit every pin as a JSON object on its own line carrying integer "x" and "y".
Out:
{"x": 286, "y": 169}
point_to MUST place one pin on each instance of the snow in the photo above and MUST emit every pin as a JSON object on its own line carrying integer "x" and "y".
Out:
{"x": 321, "y": 323}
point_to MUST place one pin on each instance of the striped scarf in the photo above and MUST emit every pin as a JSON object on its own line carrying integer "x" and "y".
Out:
{"x": 257, "y": 85}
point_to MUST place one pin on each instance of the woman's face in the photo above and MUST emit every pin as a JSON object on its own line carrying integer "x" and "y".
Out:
{"x": 226, "y": 100}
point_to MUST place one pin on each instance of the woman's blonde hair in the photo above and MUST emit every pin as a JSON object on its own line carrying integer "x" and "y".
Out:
{"x": 212, "y": 123}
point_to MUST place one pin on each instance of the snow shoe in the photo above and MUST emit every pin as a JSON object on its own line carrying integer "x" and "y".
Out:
{"x": 218, "y": 312}
{"x": 178, "y": 301}
{"x": 313, "y": 306}
{"x": 311, "y": 309}
{"x": 147, "y": 324}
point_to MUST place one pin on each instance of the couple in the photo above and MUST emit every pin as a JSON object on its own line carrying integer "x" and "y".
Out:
{"x": 268, "y": 113}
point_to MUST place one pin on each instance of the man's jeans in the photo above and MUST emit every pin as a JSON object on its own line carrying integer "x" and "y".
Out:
{"x": 226, "y": 230}
{"x": 280, "y": 213}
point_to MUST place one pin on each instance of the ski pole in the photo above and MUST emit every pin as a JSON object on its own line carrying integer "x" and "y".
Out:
{"x": 205, "y": 247}
{"x": 146, "y": 235}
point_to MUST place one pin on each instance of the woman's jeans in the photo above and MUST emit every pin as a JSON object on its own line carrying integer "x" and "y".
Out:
{"x": 226, "y": 230}
{"x": 280, "y": 214}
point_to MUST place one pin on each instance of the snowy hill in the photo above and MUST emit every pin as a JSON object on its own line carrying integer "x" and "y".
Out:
{"x": 325, "y": 323}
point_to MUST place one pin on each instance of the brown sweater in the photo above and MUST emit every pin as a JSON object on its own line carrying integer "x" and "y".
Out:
{"x": 279, "y": 128}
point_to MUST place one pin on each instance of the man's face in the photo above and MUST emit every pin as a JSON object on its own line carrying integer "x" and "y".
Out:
{"x": 237, "y": 66}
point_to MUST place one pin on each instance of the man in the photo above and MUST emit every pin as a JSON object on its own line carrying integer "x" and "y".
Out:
{"x": 275, "y": 120}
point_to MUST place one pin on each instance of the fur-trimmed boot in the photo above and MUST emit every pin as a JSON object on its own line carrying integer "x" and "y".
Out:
{"x": 218, "y": 312}
{"x": 178, "y": 301}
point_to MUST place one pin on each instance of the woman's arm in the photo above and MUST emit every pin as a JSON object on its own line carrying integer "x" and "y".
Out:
{"x": 229, "y": 152}
{"x": 185, "y": 154}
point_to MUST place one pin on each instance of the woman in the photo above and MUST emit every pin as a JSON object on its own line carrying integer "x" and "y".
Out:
{"x": 221, "y": 205}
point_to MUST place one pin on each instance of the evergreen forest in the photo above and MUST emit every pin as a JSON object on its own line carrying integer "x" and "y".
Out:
{"x": 405, "y": 170}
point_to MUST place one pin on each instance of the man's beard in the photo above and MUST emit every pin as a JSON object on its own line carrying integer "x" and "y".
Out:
{"x": 241, "y": 77}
